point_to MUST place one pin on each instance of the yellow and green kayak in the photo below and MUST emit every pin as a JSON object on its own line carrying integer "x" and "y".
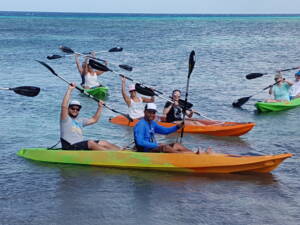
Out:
{"x": 101, "y": 93}
{"x": 277, "y": 106}
{"x": 187, "y": 162}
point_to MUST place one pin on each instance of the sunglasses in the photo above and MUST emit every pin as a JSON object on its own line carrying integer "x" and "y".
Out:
{"x": 75, "y": 108}
{"x": 151, "y": 111}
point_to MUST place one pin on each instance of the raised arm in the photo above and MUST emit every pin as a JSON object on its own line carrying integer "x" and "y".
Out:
{"x": 79, "y": 67}
{"x": 125, "y": 96}
{"x": 65, "y": 102}
{"x": 97, "y": 115}
{"x": 148, "y": 100}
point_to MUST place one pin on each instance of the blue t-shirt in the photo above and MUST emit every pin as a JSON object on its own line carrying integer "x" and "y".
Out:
{"x": 281, "y": 92}
{"x": 144, "y": 133}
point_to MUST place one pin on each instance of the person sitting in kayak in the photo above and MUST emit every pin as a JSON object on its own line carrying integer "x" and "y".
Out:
{"x": 295, "y": 89}
{"x": 280, "y": 90}
{"x": 173, "y": 112}
{"x": 134, "y": 102}
{"x": 145, "y": 129}
{"x": 71, "y": 127}
{"x": 89, "y": 76}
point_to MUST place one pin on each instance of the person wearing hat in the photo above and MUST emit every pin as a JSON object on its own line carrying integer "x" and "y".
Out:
{"x": 295, "y": 89}
{"x": 280, "y": 90}
{"x": 71, "y": 127}
{"x": 134, "y": 102}
{"x": 89, "y": 76}
{"x": 145, "y": 130}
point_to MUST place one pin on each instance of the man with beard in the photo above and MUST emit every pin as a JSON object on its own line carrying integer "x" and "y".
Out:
{"x": 71, "y": 127}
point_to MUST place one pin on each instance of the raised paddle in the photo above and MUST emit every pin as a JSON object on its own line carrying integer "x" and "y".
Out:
{"x": 29, "y": 91}
{"x": 242, "y": 101}
{"x": 191, "y": 68}
{"x": 71, "y": 51}
{"x": 256, "y": 75}
{"x": 98, "y": 66}
{"x": 82, "y": 91}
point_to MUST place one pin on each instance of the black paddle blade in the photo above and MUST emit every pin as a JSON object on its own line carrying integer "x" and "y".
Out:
{"x": 115, "y": 49}
{"x": 254, "y": 75}
{"x": 98, "y": 66}
{"x": 29, "y": 91}
{"x": 240, "y": 102}
{"x": 66, "y": 49}
{"x": 126, "y": 67}
{"x": 54, "y": 57}
{"x": 187, "y": 106}
{"x": 140, "y": 88}
{"x": 47, "y": 66}
{"x": 191, "y": 62}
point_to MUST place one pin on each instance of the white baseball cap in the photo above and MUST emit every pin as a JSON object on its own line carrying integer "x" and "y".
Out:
{"x": 150, "y": 106}
{"x": 132, "y": 87}
{"x": 75, "y": 102}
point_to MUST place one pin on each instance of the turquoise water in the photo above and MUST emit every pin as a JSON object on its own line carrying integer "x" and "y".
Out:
{"x": 157, "y": 46}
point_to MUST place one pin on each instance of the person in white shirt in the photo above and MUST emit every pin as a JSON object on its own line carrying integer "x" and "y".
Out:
{"x": 89, "y": 76}
{"x": 134, "y": 102}
{"x": 295, "y": 89}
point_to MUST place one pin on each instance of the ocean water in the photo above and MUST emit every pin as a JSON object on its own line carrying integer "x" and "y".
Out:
{"x": 227, "y": 48}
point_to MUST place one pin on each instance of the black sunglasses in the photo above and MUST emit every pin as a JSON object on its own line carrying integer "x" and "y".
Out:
{"x": 75, "y": 108}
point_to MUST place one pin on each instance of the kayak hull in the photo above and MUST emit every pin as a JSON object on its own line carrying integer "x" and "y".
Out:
{"x": 188, "y": 162}
{"x": 277, "y": 106}
{"x": 101, "y": 93}
{"x": 209, "y": 127}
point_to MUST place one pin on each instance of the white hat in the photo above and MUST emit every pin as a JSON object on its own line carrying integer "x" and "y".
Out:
{"x": 132, "y": 87}
{"x": 151, "y": 106}
{"x": 75, "y": 102}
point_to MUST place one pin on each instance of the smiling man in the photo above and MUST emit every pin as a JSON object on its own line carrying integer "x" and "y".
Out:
{"x": 145, "y": 130}
{"x": 71, "y": 127}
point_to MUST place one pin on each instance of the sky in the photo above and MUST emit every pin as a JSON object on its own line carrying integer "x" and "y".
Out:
{"x": 155, "y": 6}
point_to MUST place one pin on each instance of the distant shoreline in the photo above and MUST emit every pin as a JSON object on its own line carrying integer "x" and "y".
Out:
{"x": 37, "y": 13}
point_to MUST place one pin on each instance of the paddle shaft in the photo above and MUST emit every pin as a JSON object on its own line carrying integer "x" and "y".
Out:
{"x": 191, "y": 67}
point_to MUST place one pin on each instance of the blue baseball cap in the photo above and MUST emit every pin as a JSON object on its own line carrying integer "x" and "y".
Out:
{"x": 298, "y": 73}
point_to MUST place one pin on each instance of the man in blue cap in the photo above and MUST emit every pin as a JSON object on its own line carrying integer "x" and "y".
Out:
{"x": 295, "y": 89}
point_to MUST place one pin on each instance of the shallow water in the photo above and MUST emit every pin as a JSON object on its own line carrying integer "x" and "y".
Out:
{"x": 227, "y": 48}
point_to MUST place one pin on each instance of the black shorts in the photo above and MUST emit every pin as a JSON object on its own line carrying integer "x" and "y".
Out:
{"x": 83, "y": 145}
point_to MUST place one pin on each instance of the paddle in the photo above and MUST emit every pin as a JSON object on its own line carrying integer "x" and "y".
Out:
{"x": 242, "y": 101}
{"x": 29, "y": 91}
{"x": 256, "y": 75}
{"x": 72, "y": 52}
{"x": 191, "y": 68}
{"x": 82, "y": 91}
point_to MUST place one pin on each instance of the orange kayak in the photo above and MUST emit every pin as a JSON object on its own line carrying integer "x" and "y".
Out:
{"x": 208, "y": 127}
{"x": 172, "y": 162}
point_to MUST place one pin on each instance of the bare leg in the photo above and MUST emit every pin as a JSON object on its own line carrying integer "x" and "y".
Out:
{"x": 181, "y": 149}
{"x": 102, "y": 146}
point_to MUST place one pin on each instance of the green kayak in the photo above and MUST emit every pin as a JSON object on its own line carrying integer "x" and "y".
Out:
{"x": 277, "y": 106}
{"x": 100, "y": 93}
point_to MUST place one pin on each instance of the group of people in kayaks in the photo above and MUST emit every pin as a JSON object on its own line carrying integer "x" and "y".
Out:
{"x": 285, "y": 90}
{"x": 142, "y": 108}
